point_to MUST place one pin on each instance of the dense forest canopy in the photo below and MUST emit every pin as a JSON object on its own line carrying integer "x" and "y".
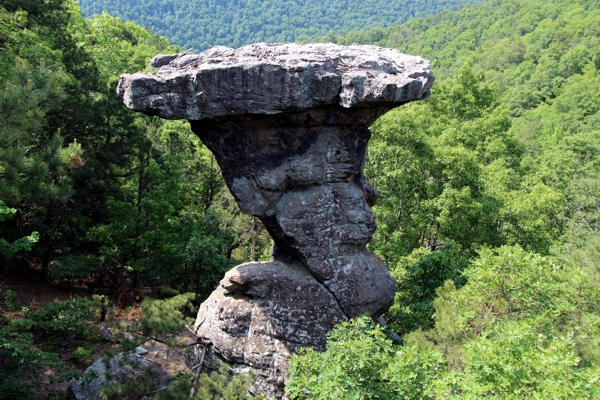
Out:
{"x": 200, "y": 24}
{"x": 488, "y": 217}
{"x": 489, "y": 213}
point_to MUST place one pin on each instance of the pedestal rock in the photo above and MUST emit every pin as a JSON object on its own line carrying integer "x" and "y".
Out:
{"x": 288, "y": 125}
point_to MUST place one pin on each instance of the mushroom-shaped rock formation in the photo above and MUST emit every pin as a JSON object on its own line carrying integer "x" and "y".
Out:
{"x": 288, "y": 125}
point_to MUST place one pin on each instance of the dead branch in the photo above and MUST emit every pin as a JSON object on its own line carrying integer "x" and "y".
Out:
{"x": 198, "y": 371}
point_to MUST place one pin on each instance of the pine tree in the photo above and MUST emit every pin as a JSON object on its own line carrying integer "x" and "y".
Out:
{"x": 34, "y": 165}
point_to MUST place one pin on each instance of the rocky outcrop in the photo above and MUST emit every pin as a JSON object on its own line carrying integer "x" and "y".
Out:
{"x": 288, "y": 125}
{"x": 115, "y": 370}
{"x": 274, "y": 79}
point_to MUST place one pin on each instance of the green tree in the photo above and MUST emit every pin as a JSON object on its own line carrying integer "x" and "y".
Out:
{"x": 418, "y": 276}
{"x": 250, "y": 21}
{"x": 155, "y": 241}
{"x": 522, "y": 326}
{"x": 429, "y": 162}
{"x": 361, "y": 363}
{"x": 7, "y": 249}
{"x": 35, "y": 167}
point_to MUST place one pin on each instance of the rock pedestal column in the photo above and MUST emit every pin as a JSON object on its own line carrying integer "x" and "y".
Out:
{"x": 288, "y": 125}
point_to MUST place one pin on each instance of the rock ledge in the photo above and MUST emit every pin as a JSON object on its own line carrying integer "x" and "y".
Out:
{"x": 275, "y": 78}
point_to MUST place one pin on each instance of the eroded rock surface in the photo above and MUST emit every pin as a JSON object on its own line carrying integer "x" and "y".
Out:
{"x": 262, "y": 312}
{"x": 275, "y": 78}
{"x": 288, "y": 125}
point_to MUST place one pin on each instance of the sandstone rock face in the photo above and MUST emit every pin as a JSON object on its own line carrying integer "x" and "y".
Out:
{"x": 275, "y": 78}
{"x": 288, "y": 125}
{"x": 261, "y": 313}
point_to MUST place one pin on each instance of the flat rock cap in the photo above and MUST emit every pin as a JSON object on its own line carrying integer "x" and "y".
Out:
{"x": 275, "y": 78}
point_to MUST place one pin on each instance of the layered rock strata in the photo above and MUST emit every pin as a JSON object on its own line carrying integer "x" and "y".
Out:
{"x": 288, "y": 125}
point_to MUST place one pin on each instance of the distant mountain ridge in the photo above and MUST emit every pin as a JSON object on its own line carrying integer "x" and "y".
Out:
{"x": 201, "y": 24}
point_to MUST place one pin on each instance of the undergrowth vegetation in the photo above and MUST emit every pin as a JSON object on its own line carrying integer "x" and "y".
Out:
{"x": 521, "y": 327}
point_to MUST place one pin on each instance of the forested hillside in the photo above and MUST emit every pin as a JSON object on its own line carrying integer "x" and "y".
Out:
{"x": 201, "y": 24}
{"x": 488, "y": 214}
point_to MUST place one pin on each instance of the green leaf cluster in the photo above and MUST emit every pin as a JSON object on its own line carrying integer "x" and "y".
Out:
{"x": 63, "y": 320}
{"x": 361, "y": 363}
{"x": 7, "y": 249}
{"x": 418, "y": 277}
{"x": 433, "y": 161}
{"x": 540, "y": 59}
{"x": 143, "y": 205}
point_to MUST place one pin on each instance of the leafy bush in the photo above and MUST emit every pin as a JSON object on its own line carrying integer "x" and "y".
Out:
{"x": 164, "y": 318}
{"x": 510, "y": 283}
{"x": 517, "y": 360}
{"x": 11, "y": 301}
{"x": 18, "y": 349}
{"x": 418, "y": 276}
{"x": 521, "y": 327}
{"x": 216, "y": 385}
{"x": 361, "y": 363}
{"x": 163, "y": 321}
{"x": 65, "y": 270}
{"x": 7, "y": 249}
{"x": 82, "y": 354}
{"x": 56, "y": 321}
{"x": 70, "y": 319}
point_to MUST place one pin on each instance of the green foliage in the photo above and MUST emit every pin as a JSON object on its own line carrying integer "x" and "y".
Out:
{"x": 526, "y": 180}
{"x": 65, "y": 320}
{"x": 22, "y": 37}
{"x": 521, "y": 327}
{"x": 147, "y": 197}
{"x": 509, "y": 283}
{"x": 82, "y": 354}
{"x": 214, "y": 385}
{"x": 418, "y": 276}
{"x": 25, "y": 243}
{"x": 434, "y": 163}
{"x": 517, "y": 329}
{"x": 143, "y": 382}
{"x": 65, "y": 270}
{"x": 17, "y": 349}
{"x": 11, "y": 300}
{"x": 34, "y": 167}
{"x": 248, "y": 21}
{"x": 157, "y": 241}
{"x": 20, "y": 337}
{"x": 519, "y": 360}
{"x": 504, "y": 152}
{"x": 361, "y": 363}
{"x": 353, "y": 366}
{"x": 164, "y": 318}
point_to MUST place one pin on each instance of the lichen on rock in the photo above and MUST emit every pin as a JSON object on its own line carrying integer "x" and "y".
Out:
{"x": 288, "y": 125}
